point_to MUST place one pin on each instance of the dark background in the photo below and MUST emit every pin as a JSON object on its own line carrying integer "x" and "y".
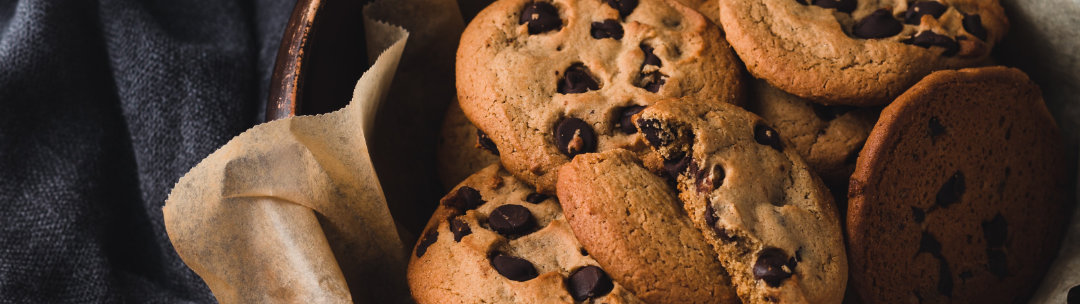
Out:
{"x": 103, "y": 106}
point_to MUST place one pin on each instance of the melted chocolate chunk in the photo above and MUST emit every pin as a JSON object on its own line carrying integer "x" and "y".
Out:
{"x": 879, "y": 24}
{"x": 952, "y": 191}
{"x": 677, "y": 164}
{"x": 575, "y": 136}
{"x": 466, "y": 198}
{"x": 935, "y": 128}
{"x": 773, "y": 266}
{"x": 541, "y": 17}
{"x": 767, "y": 136}
{"x": 995, "y": 232}
{"x": 709, "y": 179}
{"x": 653, "y": 81}
{"x": 927, "y": 39}
{"x": 429, "y": 238}
{"x": 459, "y": 228}
{"x": 588, "y": 282}
{"x": 654, "y": 134}
{"x": 536, "y": 198}
{"x": 485, "y": 142}
{"x": 929, "y": 244}
{"x": 625, "y": 7}
{"x": 510, "y": 220}
{"x": 513, "y": 268}
{"x": 610, "y": 28}
{"x": 918, "y": 214}
{"x": 918, "y": 9}
{"x": 576, "y": 79}
{"x": 650, "y": 57}
{"x": 1074, "y": 295}
{"x": 626, "y": 119}
{"x": 973, "y": 25}
{"x": 845, "y": 6}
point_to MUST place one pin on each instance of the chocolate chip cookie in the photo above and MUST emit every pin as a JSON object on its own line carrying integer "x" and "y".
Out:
{"x": 462, "y": 149}
{"x": 632, "y": 222}
{"x": 827, "y": 137}
{"x": 494, "y": 240}
{"x": 769, "y": 217}
{"x": 859, "y": 52}
{"x": 547, "y": 80}
{"x": 960, "y": 193}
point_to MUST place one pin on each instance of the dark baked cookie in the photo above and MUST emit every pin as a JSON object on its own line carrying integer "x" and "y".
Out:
{"x": 633, "y": 224}
{"x": 827, "y": 137}
{"x": 771, "y": 220}
{"x": 551, "y": 79}
{"x": 960, "y": 193}
{"x": 494, "y": 240}
{"x": 859, "y": 52}
{"x": 462, "y": 148}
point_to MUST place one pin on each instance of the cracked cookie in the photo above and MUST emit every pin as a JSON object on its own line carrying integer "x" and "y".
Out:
{"x": 547, "y": 80}
{"x": 633, "y": 224}
{"x": 494, "y": 240}
{"x": 462, "y": 149}
{"x": 766, "y": 218}
{"x": 827, "y": 137}
{"x": 960, "y": 193}
{"x": 859, "y": 52}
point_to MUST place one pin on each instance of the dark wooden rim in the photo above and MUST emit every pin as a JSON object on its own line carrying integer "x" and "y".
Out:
{"x": 287, "y": 80}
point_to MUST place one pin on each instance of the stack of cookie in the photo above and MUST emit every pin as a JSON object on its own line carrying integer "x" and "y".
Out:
{"x": 611, "y": 153}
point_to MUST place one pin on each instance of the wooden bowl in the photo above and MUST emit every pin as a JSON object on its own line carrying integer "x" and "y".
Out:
{"x": 322, "y": 54}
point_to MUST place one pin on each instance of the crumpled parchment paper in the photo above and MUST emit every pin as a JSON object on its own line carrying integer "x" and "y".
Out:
{"x": 308, "y": 209}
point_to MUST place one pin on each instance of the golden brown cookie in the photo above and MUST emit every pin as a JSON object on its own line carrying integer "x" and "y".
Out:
{"x": 858, "y": 52}
{"x": 960, "y": 193}
{"x": 494, "y": 240}
{"x": 551, "y": 79}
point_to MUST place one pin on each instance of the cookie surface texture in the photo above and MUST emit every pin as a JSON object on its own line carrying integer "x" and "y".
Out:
{"x": 462, "y": 150}
{"x": 770, "y": 219}
{"x": 631, "y": 221}
{"x": 960, "y": 193}
{"x": 859, "y": 52}
{"x": 494, "y": 240}
{"x": 827, "y": 137}
{"x": 547, "y": 80}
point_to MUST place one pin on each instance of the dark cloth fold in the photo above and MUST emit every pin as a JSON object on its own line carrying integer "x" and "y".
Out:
{"x": 103, "y": 106}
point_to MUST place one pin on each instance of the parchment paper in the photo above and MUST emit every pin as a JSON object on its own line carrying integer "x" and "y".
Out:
{"x": 294, "y": 210}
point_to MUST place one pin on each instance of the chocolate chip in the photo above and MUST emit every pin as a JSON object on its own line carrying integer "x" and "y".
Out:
{"x": 710, "y": 219}
{"x": 929, "y": 244}
{"x": 973, "y": 25}
{"x": 626, "y": 119}
{"x": 459, "y": 228}
{"x": 575, "y": 136}
{"x": 625, "y": 7}
{"x": 830, "y": 112}
{"x": 541, "y": 17}
{"x": 466, "y": 198}
{"x": 879, "y": 24}
{"x": 576, "y": 79}
{"x": 927, "y": 39}
{"x": 918, "y": 214}
{"x": 588, "y": 282}
{"x": 429, "y": 238}
{"x": 767, "y": 136}
{"x": 935, "y": 128}
{"x": 803, "y": 2}
{"x": 485, "y": 142}
{"x": 536, "y": 198}
{"x": 650, "y": 58}
{"x": 945, "y": 282}
{"x": 846, "y": 6}
{"x": 997, "y": 262}
{"x": 952, "y": 191}
{"x": 513, "y": 268}
{"x": 511, "y": 220}
{"x": 918, "y": 9}
{"x": 995, "y": 231}
{"x": 709, "y": 179}
{"x": 653, "y": 133}
{"x": 610, "y": 28}
{"x": 677, "y": 164}
{"x": 653, "y": 81}
{"x": 772, "y": 266}
{"x": 583, "y": 251}
{"x": 1074, "y": 295}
